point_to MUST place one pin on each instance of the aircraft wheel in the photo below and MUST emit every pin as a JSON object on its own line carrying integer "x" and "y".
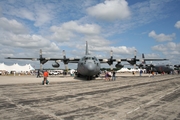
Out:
{"x": 78, "y": 75}
{"x": 89, "y": 77}
{"x": 97, "y": 75}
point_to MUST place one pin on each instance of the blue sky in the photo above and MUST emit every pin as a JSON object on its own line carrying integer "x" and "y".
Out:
{"x": 148, "y": 26}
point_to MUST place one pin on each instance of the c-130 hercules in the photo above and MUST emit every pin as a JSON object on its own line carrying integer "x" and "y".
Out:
{"x": 88, "y": 65}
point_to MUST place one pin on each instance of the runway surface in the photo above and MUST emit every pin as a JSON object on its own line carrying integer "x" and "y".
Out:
{"x": 127, "y": 98}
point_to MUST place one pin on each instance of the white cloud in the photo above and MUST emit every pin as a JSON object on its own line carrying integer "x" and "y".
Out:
{"x": 88, "y": 29}
{"x": 162, "y": 37}
{"x": 38, "y": 12}
{"x": 177, "y": 25}
{"x": 61, "y": 34}
{"x": 123, "y": 50}
{"x": 24, "y": 13}
{"x": 43, "y": 15}
{"x": 71, "y": 29}
{"x": 169, "y": 49}
{"x": 151, "y": 55}
{"x": 161, "y": 48}
{"x": 97, "y": 41}
{"x": 12, "y": 26}
{"x": 26, "y": 41}
{"x": 110, "y": 10}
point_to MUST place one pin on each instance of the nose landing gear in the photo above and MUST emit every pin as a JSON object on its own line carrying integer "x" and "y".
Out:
{"x": 89, "y": 77}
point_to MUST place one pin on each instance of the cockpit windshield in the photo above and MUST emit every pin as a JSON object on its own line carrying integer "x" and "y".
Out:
{"x": 89, "y": 58}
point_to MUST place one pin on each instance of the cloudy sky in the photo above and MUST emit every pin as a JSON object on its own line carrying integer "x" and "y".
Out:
{"x": 148, "y": 26}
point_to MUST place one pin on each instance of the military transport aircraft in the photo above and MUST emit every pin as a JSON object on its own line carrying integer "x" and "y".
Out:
{"x": 159, "y": 68}
{"x": 88, "y": 65}
{"x": 155, "y": 68}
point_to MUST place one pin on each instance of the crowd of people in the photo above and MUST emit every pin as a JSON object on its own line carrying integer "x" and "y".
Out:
{"x": 110, "y": 75}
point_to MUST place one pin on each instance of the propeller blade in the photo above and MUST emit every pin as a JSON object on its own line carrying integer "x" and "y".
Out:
{"x": 41, "y": 59}
{"x": 134, "y": 66}
{"x": 65, "y": 61}
{"x": 135, "y": 52}
{"x": 110, "y": 60}
{"x": 64, "y": 54}
{"x": 40, "y": 53}
{"x": 66, "y": 68}
{"x": 111, "y": 53}
{"x": 41, "y": 67}
{"x": 111, "y": 67}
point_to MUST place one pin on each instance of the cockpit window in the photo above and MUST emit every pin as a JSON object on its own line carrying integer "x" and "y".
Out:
{"x": 89, "y": 58}
{"x": 83, "y": 58}
{"x": 95, "y": 58}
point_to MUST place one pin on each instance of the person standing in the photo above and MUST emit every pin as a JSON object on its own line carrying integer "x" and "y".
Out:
{"x": 38, "y": 74}
{"x": 141, "y": 72}
{"x": 46, "y": 74}
{"x": 114, "y": 76}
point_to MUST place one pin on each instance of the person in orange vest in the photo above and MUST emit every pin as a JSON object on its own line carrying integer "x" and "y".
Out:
{"x": 46, "y": 74}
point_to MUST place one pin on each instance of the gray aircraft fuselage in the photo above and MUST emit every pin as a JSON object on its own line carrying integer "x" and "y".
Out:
{"x": 88, "y": 66}
{"x": 161, "y": 68}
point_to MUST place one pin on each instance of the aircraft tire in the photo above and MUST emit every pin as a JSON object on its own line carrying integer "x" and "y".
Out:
{"x": 89, "y": 77}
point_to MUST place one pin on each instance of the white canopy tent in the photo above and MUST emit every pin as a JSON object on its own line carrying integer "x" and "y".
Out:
{"x": 16, "y": 67}
{"x": 128, "y": 70}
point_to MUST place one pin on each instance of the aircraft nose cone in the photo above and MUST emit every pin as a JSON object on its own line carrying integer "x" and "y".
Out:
{"x": 90, "y": 68}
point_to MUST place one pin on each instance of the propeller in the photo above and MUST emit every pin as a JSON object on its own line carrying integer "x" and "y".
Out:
{"x": 65, "y": 60}
{"x": 143, "y": 62}
{"x": 40, "y": 58}
{"x": 132, "y": 61}
{"x": 110, "y": 61}
{"x": 135, "y": 52}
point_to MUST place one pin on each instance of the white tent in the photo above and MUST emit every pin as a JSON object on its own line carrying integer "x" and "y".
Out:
{"x": 16, "y": 67}
{"x": 128, "y": 70}
{"x": 123, "y": 70}
{"x": 72, "y": 71}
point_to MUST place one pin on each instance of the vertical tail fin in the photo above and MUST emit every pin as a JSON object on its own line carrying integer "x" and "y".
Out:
{"x": 87, "y": 52}
{"x": 143, "y": 61}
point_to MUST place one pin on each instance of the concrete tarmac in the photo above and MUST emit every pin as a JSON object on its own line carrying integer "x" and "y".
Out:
{"x": 68, "y": 98}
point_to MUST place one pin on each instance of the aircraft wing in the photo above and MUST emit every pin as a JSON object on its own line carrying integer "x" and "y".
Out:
{"x": 22, "y": 58}
{"x": 154, "y": 59}
{"x": 112, "y": 60}
{"x": 70, "y": 60}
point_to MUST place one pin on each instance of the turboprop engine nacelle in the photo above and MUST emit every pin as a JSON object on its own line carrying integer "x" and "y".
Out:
{"x": 150, "y": 65}
{"x": 142, "y": 66}
{"x": 44, "y": 61}
{"x": 177, "y": 66}
{"x": 118, "y": 65}
{"x": 56, "y": 65}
